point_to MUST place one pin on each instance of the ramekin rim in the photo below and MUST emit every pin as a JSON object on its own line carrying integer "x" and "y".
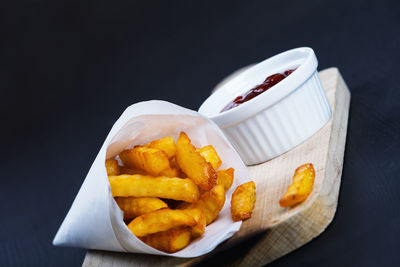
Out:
{"x": 252, "y": 107}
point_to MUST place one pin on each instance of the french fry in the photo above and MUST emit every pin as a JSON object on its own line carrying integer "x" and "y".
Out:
{"x": 171, "y": 172}
{"x": 166, "y": 144}
{"x": 193, "y": 164}
{"x": 211, "y": 203}
{"x": 242, "y": 202}
{"x": 225, "y": 177}
{"x": 200, "y": 219}
{"x": 173, "y": 163}
{"x": 159, "y": 221}
{"x": 151, "y": 160}
{"x": 211, "y": 156}
{"x": 130, "y": 171}
{"x": 148, "y": 186}
{"x": 136, "y": 206}
{"x": 112, "y": 167}
{"x": 300, "y": 189}
{"x": 169, "y": 241}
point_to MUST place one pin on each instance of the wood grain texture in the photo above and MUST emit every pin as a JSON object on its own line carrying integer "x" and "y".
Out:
{"x": 288, "y": 228}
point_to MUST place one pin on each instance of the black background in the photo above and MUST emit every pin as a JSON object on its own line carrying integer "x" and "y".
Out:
{"x": 69, "y": 69}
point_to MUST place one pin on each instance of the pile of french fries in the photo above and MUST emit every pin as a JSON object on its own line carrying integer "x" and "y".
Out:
{"x": 169, "y": 192}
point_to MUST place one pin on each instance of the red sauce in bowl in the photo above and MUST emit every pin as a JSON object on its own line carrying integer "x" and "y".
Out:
{"x": 259, "y": 89}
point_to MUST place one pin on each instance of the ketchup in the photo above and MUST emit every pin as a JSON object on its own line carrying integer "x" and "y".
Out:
{"x": 261, "y": 88}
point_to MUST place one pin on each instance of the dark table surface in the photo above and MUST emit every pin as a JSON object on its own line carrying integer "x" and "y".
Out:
{"x": 69, "y": 69}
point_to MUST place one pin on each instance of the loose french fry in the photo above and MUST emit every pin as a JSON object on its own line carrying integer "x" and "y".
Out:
{"x": 169, "y": 241}
{"x": 159, "y": 221}
{"x": 112, "y": 167}
{"x": 166, "y": 144}
{"x": 193, "y": 164}
{"x": 242, "y": 202}
{"x": 211, "y": 156}
{"x": 130, "y": 171}
{"x": 151, "y": 160}
{"x": 300, "y": 189}
{"x": 211, "y": 203}
{"x": 148, "y": 186}
{"x": 136, "y": 206}
{"x": 200, "y": 219}
{"x": 225, "y": 177}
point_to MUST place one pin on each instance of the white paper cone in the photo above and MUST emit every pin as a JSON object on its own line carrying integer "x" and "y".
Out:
{"x": 95, "y": 220}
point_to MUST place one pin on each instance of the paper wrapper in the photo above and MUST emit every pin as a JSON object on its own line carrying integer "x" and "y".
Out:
{"x": 95, "y": 221}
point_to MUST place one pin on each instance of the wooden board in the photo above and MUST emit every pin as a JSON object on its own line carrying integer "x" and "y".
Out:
{"x": 276, "y": 231}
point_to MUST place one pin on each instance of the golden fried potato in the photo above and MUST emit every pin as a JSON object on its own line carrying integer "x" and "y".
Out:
{"x": 159, "y": 221}
{"x": 193, "y": 164}
{"x": 211, "y": 203}
{"x": 300, "y": 189}
{"x": 200, "y": 219}
{"x": 130, "y": 171}
{"x": 148, "y": 186}
{"x": 166, "y": 144}
{"x": 225, "y": 177}
{"x": 136, "y": 206}
{"x": 151, "y": 160}
{"x": 211, "y": 156}
{"x": 112, "y": 167}
{"x": 173, "y": 163}
{"x": 171, "y": 172}
{"x": 242, "y": 202}
{"x": 169, "y": 241}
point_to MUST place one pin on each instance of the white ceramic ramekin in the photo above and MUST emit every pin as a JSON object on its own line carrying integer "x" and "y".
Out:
{"x": 278, "y": 119}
